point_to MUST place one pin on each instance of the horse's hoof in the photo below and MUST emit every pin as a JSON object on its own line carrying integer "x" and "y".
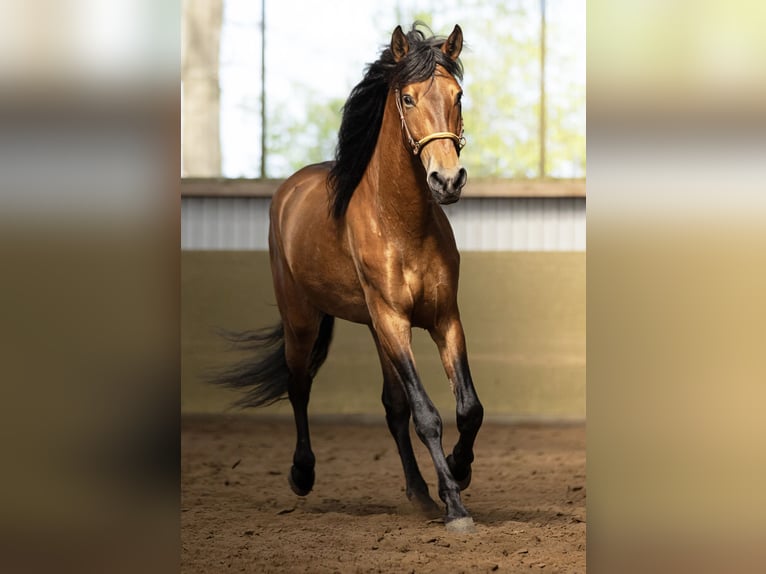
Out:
{"x": 462, "y": 482}
{"x": 463, "y": 525}
{"x": 301, "y": 482}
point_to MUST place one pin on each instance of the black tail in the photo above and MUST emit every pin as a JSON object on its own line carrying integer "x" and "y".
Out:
{"x": 265, "y": 376}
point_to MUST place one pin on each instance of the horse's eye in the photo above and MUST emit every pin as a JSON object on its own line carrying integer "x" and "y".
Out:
{"x": 408, "y": 101}
{"x": 459, "y": 98}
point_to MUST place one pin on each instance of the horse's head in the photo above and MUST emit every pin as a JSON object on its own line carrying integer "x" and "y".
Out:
{"x": 432, "y": 120}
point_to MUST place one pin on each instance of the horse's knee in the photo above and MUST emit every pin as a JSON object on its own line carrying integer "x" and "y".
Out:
{"x": 470, "y": 416}
{"x": 428, "y": 424}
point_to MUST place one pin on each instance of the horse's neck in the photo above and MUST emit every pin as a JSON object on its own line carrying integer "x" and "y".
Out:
{"x": 397, "y": 183}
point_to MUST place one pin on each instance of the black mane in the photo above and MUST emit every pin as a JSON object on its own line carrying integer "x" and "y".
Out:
{"x": 363, "y": 110}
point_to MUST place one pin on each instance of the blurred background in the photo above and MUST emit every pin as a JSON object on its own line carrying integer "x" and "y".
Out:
{"x": 90, "y": 221}
{"x": 263, "y": 90}
{"x": 262, "y": 93}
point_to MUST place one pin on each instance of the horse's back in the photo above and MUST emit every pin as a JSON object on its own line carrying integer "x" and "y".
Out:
{"x": 307, "y": 183}
{"x": 301, "y": 200}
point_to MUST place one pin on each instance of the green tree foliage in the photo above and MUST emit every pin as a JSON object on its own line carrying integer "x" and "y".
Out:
{"x": 295, "y": 140}
{"x": 502, "y": 103}
{"x": 565, "y": 87}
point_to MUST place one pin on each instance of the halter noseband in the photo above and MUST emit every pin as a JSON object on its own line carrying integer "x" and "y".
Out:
{"x": 418, "y": 145}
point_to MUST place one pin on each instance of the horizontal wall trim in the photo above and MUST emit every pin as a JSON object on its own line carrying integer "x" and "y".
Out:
{"x": 243, "y": 187}
{"x": 479, "y": 223}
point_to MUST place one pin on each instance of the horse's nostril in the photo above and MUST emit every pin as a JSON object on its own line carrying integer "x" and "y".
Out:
{"x": 436, "y": 181}
{"x": 461, "y": 178}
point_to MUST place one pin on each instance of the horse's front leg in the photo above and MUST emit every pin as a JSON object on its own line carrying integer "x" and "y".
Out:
{"x": 394, "y": 336}
{"x": 450, "y": 339}
{"x": 398, "y": 418}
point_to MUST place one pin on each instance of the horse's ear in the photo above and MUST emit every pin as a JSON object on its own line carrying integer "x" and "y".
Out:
{"x": 454, "y": 43}
{"x": 399, "y": 44}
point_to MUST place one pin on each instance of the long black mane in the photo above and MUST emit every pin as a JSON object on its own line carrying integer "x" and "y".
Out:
{"x": 363, "y": 111}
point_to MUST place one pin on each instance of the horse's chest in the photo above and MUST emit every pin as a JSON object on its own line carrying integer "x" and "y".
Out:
{"x": 426, "y": 296}
{"x": 406, "y": 286}
{"x": 413, "y": 282}
{"x": 413, "y": 286}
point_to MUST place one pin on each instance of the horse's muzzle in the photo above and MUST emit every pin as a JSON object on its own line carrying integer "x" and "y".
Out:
{"x": 446, "y": 185}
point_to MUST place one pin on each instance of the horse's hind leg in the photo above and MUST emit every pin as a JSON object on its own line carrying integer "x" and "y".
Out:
{"x": 398, "y": 419}
{"x": 306, "y": 341}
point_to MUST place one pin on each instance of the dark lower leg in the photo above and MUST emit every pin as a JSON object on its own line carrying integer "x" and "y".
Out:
{"x": 398, "y": 419}
{"x": 301, "y": 476}
{"x": 470, "y": 414}
{"x": 450, "y": 339}
{"x": 393, "y": 333}
{"x": 428, "y": 425}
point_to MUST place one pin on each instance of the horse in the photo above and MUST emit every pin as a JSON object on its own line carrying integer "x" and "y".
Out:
{"x": 364, "y": 238}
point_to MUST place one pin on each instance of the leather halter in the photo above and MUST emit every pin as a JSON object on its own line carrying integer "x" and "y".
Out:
{"x": 418, "y": 145}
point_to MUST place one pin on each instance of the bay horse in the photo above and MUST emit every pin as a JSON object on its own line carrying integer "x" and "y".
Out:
{"x": 364, "y": 238}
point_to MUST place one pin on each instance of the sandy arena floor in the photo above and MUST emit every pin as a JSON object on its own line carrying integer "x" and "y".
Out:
{"x": 239, "y": 514}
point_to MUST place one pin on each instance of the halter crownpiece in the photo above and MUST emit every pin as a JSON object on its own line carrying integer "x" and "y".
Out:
{"x": 418, "y": 145}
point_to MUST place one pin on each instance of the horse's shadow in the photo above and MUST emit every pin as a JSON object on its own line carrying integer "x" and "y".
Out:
{"x": 349, "y": 506}
{"x": 526, "y": 516}
{"x": 365, "y": 507}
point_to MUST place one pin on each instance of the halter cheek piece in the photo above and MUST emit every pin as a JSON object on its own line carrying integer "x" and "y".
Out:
{"x": 418, "y": 145}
